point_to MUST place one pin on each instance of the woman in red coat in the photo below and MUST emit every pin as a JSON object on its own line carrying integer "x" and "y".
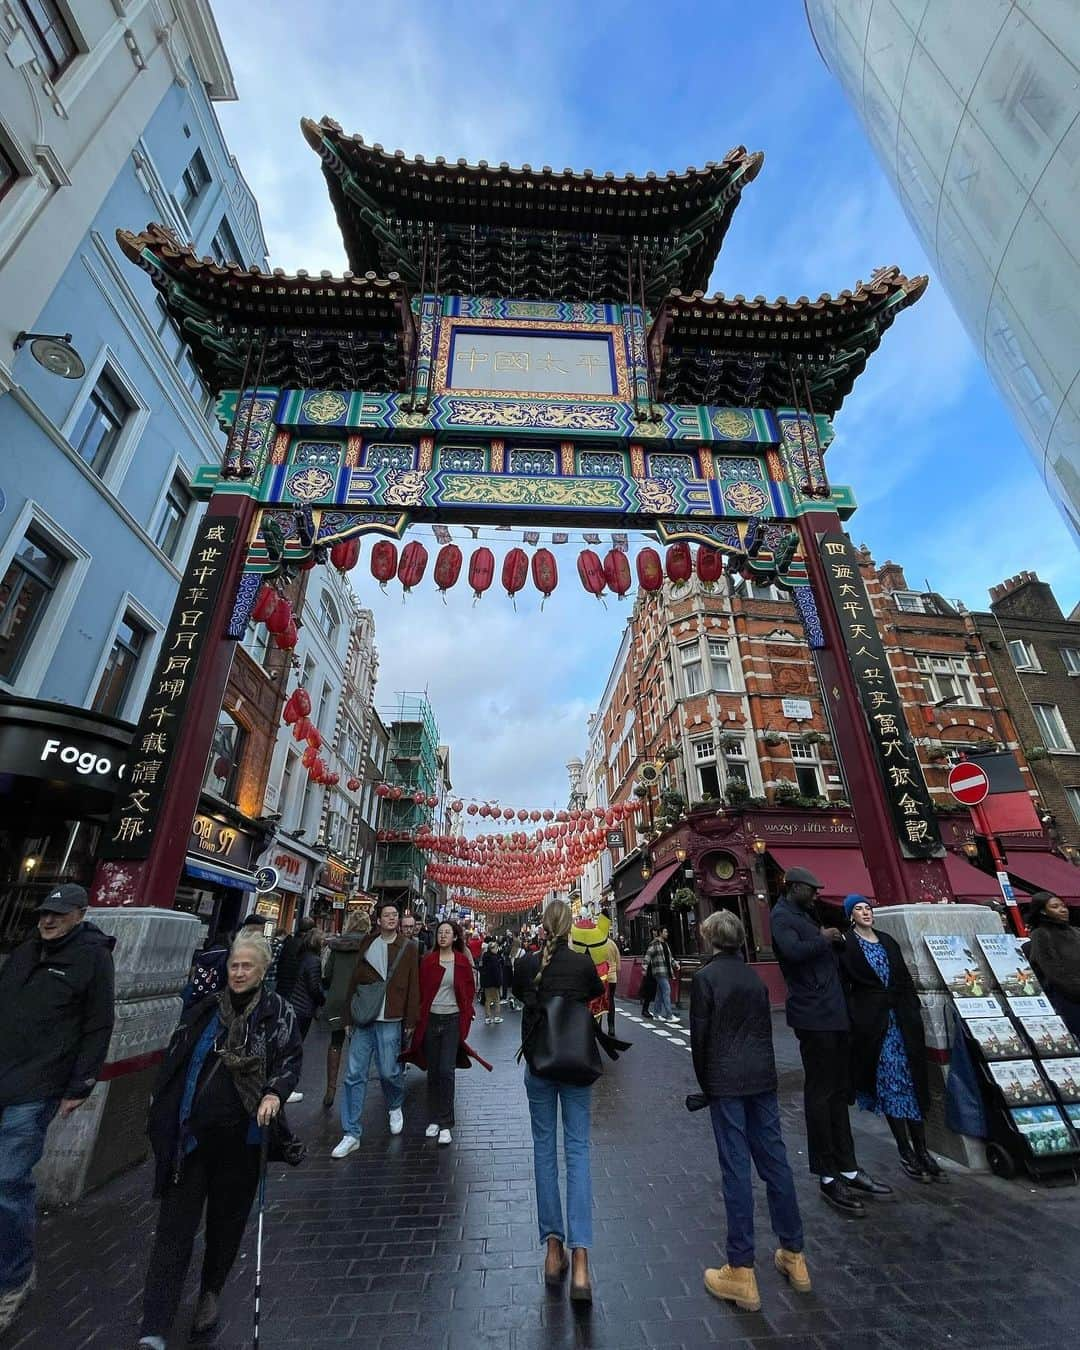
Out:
{"x": 439, "y": 1044}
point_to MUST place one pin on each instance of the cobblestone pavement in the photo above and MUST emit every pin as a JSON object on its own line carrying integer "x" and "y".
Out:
{"x": 408, "y": 1245}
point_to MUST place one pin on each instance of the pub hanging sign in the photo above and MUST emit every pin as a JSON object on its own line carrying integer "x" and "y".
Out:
{"x": 898, "y": 763}
{"x": 135, "y": 811}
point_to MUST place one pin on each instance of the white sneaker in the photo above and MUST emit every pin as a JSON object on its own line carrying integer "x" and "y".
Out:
{"x": 674, "y": 1019}
{"x": 12, "y": 1301}
{"x": 151, "y": 1343}
{"x": 487, "y": 1021}
{"x": 349, "y": 1144}
{"x": 431, "y": 1132}
{"x": 294, "y": 1097}
{"x": 397, "y": 1121}
{"x": 497, "y": 1019}
{"x": 445, "y": 1137}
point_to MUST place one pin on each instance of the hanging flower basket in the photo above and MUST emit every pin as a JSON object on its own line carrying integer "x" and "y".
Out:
{"x": 813, "y": 738}
{"x": 684, "y": 898}
{"x": 772, "y": 738}
{"x": 1035, "y": 752}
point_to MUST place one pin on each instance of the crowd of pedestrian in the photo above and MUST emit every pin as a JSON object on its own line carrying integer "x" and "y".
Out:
{"x": 395, "y": 992}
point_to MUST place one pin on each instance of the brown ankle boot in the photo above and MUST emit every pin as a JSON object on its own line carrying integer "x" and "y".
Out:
{"x": 557, "y": 1262}
{"x": 580, "y": 1284}
{"x": 333, "y": 1065}
{"x": 792, "y": 1265}
{"x": 738, "y": 1284}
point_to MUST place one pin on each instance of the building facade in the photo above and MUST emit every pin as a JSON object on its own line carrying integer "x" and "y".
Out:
{"x": 415, "y": 777}
{"x": 104, "y": 117}
{"x": 1033, "y": 650}
{"x": 973, "y": 113}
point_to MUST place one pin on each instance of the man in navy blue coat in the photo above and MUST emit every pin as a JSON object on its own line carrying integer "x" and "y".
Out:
{"x": 817, "y": 1012}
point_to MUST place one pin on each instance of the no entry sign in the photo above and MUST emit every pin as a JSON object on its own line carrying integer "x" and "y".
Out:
{"x": 968, "y": 784}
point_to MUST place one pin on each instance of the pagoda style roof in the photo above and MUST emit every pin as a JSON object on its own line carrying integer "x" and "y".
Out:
{"x": 736, "y": 352}
{"x": 524, "y": 233}
{"x": 349, "y": 332}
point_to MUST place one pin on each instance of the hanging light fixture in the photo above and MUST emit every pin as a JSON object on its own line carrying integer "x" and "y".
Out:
{"x": 53, "y": 351}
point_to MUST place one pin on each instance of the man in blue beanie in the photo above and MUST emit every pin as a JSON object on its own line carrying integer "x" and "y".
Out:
{"x": 817, "y": 1013}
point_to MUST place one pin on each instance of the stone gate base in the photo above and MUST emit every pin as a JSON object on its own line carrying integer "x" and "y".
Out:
{"x": 107, "y": 1135}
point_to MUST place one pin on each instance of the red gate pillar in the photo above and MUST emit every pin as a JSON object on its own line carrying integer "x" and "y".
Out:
{"x": 897, "y": 879}
{"x": 152, "y": 880}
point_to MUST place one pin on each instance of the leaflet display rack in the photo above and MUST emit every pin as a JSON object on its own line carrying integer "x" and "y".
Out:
{"x": 1027, "y": 1060}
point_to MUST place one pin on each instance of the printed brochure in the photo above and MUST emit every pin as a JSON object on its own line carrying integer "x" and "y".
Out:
{"x": 1019, "y": 1082}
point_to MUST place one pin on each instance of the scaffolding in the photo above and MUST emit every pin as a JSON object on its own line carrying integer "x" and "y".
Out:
{"x": 413, "y": 765}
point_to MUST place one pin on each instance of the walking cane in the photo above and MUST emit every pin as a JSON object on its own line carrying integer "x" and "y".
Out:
{"x": 258, "y": 1241}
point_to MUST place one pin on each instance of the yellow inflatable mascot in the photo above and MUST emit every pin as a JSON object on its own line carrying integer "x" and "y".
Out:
{"x": 593, "y": 935}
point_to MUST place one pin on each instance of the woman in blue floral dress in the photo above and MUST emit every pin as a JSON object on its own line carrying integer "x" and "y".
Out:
{"x": 888, "y": 1046}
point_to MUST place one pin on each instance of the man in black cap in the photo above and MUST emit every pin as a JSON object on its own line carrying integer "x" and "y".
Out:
{"x": 56, "y": 1017}
{"x": 817, "y": 1012}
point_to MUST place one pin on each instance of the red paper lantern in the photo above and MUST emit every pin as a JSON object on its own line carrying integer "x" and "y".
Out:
{"x": 515, "y": 571}
{"x": 617, "y": 572}
{"x": 384, "y": 561}
{"x": 353, "y": 784}
{"x": 345, "y": 554}
{"x": 308, "y": 758}
{"x": 508, "y": 814}
{"x": 413, "y": 562}
{"x": 545, "y": 571}
{"x": 332, "y": 779}
{"x": 280, "y": 617}
{"x": 288, "y": 639}
{"x": 314, "y": 737}
{"x": 290, "y": 713}
{"x": 301, "y": 728}
{"x": 265, "y": 603}
{"x": 455, "y": 807}
{"x": 433, "y": 801}
{"x": 650, "y": 572}
{"x": 308, "y": 563}
{"x": 418, "y": 798}
{"x": 481, "y": 570}
{"x": 447, "y": 566}
{"x": 710, "y": 565}
{"x": 382, "y": 789}
{"x": 472, "y": 808}
{"x": 303, "y": 701}
{"x": 222, "y": 765}
{"x": 591, "y": 571}
{"x": 679, "y": 563}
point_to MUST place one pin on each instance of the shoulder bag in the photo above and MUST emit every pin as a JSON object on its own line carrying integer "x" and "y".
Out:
{"x": 367, "y": 999}
{"x": 562, "y": 1045}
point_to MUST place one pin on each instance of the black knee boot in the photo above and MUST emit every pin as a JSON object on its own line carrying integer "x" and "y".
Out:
{"x": 926, "y": 1160}
{"x": 909, "y": 1160}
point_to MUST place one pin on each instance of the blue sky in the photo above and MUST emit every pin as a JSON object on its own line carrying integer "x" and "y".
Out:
{"x": 944, "y": 482}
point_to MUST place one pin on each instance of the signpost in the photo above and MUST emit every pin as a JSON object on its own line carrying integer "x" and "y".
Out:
{"x": 970, "y": 785}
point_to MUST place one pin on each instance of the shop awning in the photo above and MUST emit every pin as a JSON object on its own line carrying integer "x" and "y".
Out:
{"x": 841, "y": 870}
{"x": 1045, "y": 872}
{"x": 219, "y": 874}
{"x": 969, "y": 883}
{"x": 650, "y": 890}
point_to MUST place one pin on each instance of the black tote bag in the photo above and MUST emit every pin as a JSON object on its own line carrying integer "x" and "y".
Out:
{"x": 563, "y": 1045}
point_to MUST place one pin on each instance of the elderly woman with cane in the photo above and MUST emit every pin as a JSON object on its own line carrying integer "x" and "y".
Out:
{"x": 232, "y": 1061}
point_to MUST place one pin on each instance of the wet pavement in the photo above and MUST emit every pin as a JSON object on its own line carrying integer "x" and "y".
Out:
{"x": 408, "y": 1246}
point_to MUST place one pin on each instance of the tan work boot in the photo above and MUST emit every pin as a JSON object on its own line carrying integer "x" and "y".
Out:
{"x": 792, "y": 1265}
{"x": 737, "y": 1283}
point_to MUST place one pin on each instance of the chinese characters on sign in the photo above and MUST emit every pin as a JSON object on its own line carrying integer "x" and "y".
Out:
{"x": 130, "y": 830}
{"x": 898, "y": 763}
{"x": 524, "y": 363}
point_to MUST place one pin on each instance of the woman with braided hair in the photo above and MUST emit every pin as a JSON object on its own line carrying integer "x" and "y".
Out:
{"x": 553, "y": 973}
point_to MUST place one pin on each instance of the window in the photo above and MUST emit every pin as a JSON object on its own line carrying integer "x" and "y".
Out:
{"x": 97, "y": 430}
{"x": 1071, "y": 657}
{"x": 911, "y": 602}
{"x": 335, "y": 830}
{"x": 119, "y": 673}
{"x": 720, "y": 664}
{"x": 25, "y": 591}
{"x": 1051, "y": 726}
{"x": 223, "y": 764}
{"x": 329, "y": 619}
{"x": 193, "y": 183}
{"x": 258, "y": 642}
{"x": 704, "y": 750}
{"x": 223, "y": 247}
{"x": 350, "y": 747}
{"x": 807, "y": 770}
{"x": 1023, "y": 655}
{"x": 9, "y": 173}
{"x": 174, "y": 513}
{"x": 286, "y": 784}
{"x": 1072, "y": 796}
{"x": 690, "y": 657}
{"x": 948, "y": 679}
{"x": 48, "y": 33}
{"x": 735, "y": 765}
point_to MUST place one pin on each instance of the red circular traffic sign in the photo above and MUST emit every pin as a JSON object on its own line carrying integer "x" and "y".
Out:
{"x": 968, "y": 784}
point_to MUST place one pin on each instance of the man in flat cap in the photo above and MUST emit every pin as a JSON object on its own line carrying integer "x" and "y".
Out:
{"x": 817, "y": 1012}
{"x": 56, "y": 1018}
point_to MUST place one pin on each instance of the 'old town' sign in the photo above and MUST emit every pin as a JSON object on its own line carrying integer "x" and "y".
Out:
{"x": 898, "y": 763}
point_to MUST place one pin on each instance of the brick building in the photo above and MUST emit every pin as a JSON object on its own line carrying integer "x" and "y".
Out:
{"x": 714, "y": 712}
{"x": 1034, "y": 653}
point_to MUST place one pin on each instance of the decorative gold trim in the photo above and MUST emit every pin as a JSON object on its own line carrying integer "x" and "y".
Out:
{"x": 280, "y": 452}
{"x": 498, "y": 455}
{"x": 566, "y": 455}
{"x": 440, "y": 370}
{"x": 354, "y": 446}
{"x": 637, "y": 461}
{"x": 706, "y": 457}
{"x": 427, "y": 453}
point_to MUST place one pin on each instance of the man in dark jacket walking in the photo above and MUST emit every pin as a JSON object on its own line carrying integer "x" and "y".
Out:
{"x": 817, "y": 1012}
{"x": 731, "y": 1041}
{"x": 56, "y": 1018}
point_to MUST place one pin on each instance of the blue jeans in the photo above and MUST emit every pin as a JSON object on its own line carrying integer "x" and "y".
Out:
{"x": 745, "y": 1128}
{"x": 662, "y": 1002}
{"x": 544, "y": 1096}
{"x": 22, "y": 1142}
{"x": 381, "y": 1041}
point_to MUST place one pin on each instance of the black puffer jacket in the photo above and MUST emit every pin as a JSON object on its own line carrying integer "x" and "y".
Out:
{"x": 56, "y": 1016}
{"x": 272, "y": 1034}
{"x": 307, "y": 995}
{"x": 731, "y": 1030}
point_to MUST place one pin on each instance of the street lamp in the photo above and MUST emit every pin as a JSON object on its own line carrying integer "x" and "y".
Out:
{"x": 759, "y": 846}
{"x": 53, "y": 351}
{"x": 680, "y": 853}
